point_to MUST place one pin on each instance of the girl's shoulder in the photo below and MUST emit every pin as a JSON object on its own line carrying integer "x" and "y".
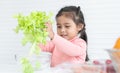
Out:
{"x": 78, "y": 40}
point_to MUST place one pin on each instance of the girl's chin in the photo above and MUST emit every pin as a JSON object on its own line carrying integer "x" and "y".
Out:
{"x": 66, "y": 38}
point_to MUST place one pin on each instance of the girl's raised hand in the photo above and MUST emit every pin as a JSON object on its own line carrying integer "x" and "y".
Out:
{"x": 49, "y": 30}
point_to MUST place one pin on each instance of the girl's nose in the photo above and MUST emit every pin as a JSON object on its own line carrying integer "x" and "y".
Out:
{"x": 62, "y": 29}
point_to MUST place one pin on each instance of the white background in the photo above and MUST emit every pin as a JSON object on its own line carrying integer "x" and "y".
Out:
{"x": 101, "y": 17}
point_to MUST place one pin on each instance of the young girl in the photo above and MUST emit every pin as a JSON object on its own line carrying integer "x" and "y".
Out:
{"x": 66, "y": 46}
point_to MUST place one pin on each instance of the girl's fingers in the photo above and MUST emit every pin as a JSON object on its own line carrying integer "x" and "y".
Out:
{"x": 47, "y": 23}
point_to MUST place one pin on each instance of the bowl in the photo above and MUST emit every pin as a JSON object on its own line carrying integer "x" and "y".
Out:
{"x": 115, "y": 57}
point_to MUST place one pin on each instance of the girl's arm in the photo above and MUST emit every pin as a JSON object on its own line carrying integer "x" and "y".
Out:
{"x": 48, "y": 47}
{"x": 76, "y": 48}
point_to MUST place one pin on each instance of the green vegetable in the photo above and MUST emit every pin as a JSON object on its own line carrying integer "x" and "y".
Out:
{"x": 33, "y": 26}
{"x": 34, "y": 30}
{"x": 37, "y": 65}
{"x": 26, "y": 66}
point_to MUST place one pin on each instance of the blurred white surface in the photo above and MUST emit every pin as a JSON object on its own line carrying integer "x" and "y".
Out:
{"x": 43, "y": 58}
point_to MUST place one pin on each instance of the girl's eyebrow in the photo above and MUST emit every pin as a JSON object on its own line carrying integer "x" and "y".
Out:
{"x": 58, "y": 24}
{"x": 67, "y": 23}
{"x": 64, "y": 23}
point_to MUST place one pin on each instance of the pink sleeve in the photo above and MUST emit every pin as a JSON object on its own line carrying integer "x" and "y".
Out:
{"x": 76, "y": 48}
{"x": 48, "y": 47}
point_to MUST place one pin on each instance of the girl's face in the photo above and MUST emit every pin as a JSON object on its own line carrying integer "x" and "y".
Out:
{"x": 67, "y": 28}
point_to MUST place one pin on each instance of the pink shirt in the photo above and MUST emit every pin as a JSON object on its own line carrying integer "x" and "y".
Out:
{"x": 73, "y": 51}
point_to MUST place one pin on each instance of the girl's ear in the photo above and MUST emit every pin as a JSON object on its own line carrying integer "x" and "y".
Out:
{"x": 80, "y": 27}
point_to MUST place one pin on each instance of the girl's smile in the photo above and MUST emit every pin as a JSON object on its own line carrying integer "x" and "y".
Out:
{"x": 66, "y": 27}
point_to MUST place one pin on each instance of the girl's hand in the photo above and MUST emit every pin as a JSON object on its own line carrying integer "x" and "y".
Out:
{"x": 50, "y": 30}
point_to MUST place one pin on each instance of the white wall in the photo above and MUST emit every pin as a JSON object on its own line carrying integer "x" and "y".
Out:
{"x": 101, "y": 16}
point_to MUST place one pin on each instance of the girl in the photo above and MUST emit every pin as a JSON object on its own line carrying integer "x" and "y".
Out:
{"x": 66, "y": 46}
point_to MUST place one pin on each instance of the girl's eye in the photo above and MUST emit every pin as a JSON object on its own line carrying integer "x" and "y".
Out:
{"x": 67, "y": 26}
{"x": 58, "y": 26}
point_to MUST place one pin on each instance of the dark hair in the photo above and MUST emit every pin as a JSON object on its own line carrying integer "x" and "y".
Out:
{"x": 77, "y": 16}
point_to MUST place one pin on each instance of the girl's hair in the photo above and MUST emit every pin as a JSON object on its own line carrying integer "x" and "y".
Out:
{"x": 76, "y": 15}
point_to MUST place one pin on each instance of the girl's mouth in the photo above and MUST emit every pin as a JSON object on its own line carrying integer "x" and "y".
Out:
{"x": 64, "y": 36}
